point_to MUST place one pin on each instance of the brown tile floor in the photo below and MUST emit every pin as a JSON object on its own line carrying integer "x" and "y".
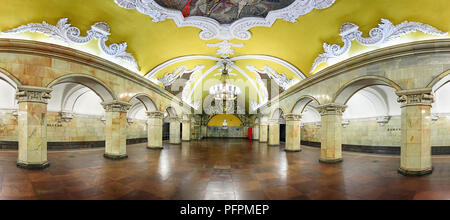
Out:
{"x": 218, "y": 169}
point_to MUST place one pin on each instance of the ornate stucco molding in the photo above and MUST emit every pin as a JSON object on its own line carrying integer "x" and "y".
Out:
{"x": 155, "y": 115}
{"x": 416, "y": 97}
{"x": 169, "y": 78}
{"x": 71, "y": 35}
{"x": 293, "y": 117}
{"x": 331, "y": 109}
{"x": 280, "y": 79}
{"x": 385, "y": 32}
{"x": 116, "y": 106}
{"x": 33, "y": 94}
{"x": 211, "y": 29}
{"x": 225, "y": 48}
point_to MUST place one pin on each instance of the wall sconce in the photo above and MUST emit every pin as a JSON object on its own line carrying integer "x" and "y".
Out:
{"x": 345, "y": 123}
{"x": 383, "y": 120}
{"x": 67, "y": 116}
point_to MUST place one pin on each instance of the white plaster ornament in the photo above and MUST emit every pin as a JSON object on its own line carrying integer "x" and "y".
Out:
{"x": 385, "y": 32}
{"x": 71, "y": 35}
{"x": 212, "y": 29}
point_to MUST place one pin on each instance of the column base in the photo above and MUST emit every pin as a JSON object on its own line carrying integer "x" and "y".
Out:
{"x": 263, "y": 142}
{"x": 292, "y": 151}
{"x": 115, "y": 157}
{"x": 331, "y": 161}
{"x": 33, "y": 166}
{"x": 155, "y": 148}
{"x": 273, "y": 145}
{"x": 415, "y": 173}
{"x": 186, "y": 140}
{"x": 175, "y": 143}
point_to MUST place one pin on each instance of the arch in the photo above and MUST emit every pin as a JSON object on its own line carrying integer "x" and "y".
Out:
{"x": 278, "y": 113}
{"x": 303, "y": 102}
{"x": 439, "y": 81}
{"x": 141, "y": 101}
{"x": 232, "y": 120}
{"x": 96, "y": 85}
{"x": 171, "y": 111}
{"x": 9, "y": 78}
{"x": 349, "y": 89}
{"x": 8, "y": 89}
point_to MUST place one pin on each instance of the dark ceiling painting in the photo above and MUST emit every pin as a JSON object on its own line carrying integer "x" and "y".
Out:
{"x": 225, "y": 11}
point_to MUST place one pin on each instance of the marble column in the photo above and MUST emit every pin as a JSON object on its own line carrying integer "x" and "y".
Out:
{"x": 331, "y": 132}
{"x": 274, "y": 133}
{"x": 293, "y": 133}
{"x": 32, "y": 127}
{"x": 175, "y": 131}
{"x": 186, "y": 135}
{"x": 416, "y": 132}
{"x": 263, "y": 133}
{"x": 256, "y": 132}
{"x": 155, "y": 130}
{"x": 116, "y": 129}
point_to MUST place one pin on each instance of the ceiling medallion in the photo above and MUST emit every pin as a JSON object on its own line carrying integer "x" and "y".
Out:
{"x": 212, "y": 29}
{"x": 385, "y": 32}
{"x": 71, "y": 35}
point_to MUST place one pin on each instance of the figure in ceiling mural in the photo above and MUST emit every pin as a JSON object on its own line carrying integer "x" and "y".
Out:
{"x": 225, "y": 11}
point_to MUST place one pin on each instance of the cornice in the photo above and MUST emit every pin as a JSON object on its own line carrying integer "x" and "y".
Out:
{"x": 73, "y": 55}
{"x": 379, "y": 55}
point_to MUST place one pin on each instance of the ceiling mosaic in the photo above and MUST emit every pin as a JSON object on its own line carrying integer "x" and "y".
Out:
{"x": 225, "y": 11}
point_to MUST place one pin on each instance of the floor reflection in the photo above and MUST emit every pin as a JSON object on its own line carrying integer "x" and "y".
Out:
{"x": 218, "y": 169}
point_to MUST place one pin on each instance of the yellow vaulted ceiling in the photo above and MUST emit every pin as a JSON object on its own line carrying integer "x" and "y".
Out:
{"x": 297, "y": 43}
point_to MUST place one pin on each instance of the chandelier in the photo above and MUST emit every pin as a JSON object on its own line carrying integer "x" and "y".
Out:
{"x": 225, "y": 91}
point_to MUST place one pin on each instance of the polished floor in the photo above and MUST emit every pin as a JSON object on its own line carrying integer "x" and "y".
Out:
{"x": 218, "y": 169}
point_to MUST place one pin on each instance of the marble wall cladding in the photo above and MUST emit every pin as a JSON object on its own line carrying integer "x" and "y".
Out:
{"x": 41, "y": 68}
{"x": 230, "y": 132}
{"x": 82, "y": 128}
{"x": 367, "y": 132}
{"x": 8, "y": 126}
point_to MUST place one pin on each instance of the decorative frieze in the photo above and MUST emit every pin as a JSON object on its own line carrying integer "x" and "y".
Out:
{"x": 33, "y": 94}
{"x": 116, "y": 106}
{"x": 416, "y": 97}
{"x": 293, "y": 117}
{"x": 331, "y": 109}
{"x": 155, "y": 115}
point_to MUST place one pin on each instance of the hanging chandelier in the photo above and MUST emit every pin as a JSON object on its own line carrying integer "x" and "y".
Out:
{"x": 225, "y": 91}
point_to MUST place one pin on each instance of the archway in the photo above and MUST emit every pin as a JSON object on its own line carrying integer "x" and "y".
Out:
{"x": 310, "y": 126}
{"x": 371, "y": 122}
{"x": 277, "y": 127}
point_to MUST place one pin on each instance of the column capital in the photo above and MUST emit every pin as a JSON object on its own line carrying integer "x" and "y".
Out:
{"x": 274, "y": 121}
{"x": 33, "y": 94}
{"x": 331, "y": 109}
{"x": 157, "y": 115}
{"x": 293, "y": 117}
{"x": 416, "y": 97}
{"x": 116, "y": 106}
{"x": 174, "y": 119}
